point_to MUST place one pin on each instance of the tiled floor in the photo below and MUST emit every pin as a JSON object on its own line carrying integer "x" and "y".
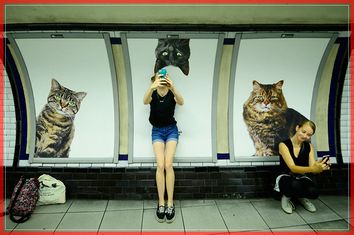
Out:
{"x": 214, "y": 216}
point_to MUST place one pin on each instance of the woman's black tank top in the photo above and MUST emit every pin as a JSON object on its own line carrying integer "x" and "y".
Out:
{"x": 162, "y": 109}
{"x": 301, "y": 160}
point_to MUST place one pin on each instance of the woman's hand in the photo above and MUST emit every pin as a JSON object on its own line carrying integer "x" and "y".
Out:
{"x": 320, "y": 165}
{"x": 169, "y": 82}
{"x": 178, "y": 97}
{"x": 158, "y": 82}
{"x": 155, "y": 84}
{"x": 326, "y": 160}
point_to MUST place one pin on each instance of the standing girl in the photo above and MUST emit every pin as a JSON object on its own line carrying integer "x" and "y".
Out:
{"x": 163, "y": 96}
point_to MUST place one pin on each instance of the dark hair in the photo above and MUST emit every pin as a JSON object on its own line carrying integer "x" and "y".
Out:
{"x": 310, "y": 123}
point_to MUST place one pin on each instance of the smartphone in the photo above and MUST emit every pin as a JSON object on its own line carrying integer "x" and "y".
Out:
{"x": 162, "y": 73}
{"x": 325, "y": 158}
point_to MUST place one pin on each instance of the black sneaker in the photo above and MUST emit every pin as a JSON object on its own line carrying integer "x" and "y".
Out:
{"x": 160, "y": 213}
{"x": 170, "y": 213}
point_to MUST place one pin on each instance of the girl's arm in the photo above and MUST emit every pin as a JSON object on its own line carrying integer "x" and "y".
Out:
{"x": 178, "y": 97}
{"x": 312, "y": 159}
{"x": 315, "y": 167}
{"x": 147, "y": 96}
{"x": 156, "y": 83}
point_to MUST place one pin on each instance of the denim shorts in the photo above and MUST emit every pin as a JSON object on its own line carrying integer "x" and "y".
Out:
{"x": 165, "y": 134}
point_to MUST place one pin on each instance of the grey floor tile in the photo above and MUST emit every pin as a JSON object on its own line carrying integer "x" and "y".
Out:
{"x": 6, "y": 203}
{"x": 203, "y": 218}
{"x": 8, "y": 224}
{"x": 88, "y": 205}
{"x": 350, "y": 221}
{"x": 340, "y": 204}
{"x": 87, "y": 221}
{"x": 152, "y": 204}
{"x": 275, "y": 217}
{"x": 323, "y": 213}
{"x": 128, "y": 221}
{"x": 191, "y": 216}
{"x": 300, "y": 228}
{"x": 186, "y": 203}
{"x": 150, "y": 223}
{"x": 267, "y": 199}
{"x": 56, "y": 208}
{"x": 125, "y": 205}
{"x": 331, "y": 226}
{"x": 41, "y": 222}
{"x": 229, "y": 201}
{"x": 214, "y": 233}
{"x": 241, "y": 216}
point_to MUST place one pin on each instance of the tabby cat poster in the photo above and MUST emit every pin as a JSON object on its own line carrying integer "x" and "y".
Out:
{"x": 73, "y": 97}
{"x": 274, "y": 84}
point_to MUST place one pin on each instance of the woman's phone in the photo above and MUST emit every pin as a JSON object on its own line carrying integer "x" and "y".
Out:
{"x": 162, "y": 73}
{"x": 325, "y": 158}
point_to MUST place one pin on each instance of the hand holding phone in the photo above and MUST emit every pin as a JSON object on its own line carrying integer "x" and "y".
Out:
{"x": 325, "y": 159}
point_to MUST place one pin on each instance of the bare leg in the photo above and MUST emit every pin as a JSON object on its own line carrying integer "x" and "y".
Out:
{"x": 170, "y": 174}
{"x": 160, "y": 170}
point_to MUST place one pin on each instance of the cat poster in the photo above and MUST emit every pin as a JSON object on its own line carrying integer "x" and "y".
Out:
{"x": 55, "y": 127}
{"x": 84, "y": 85}
{"x": 175, "y": 52}
{"x": 194, "y": 118}
{"x": 268, "y": 118}
{"x": 273, "y": 89}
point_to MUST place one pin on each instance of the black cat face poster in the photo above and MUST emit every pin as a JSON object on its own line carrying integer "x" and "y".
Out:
{"x": 197, "y": 136}
{"x": 175, "y": 52}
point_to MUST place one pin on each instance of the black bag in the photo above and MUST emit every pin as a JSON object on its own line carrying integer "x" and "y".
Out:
{"x": 23, "y": 199}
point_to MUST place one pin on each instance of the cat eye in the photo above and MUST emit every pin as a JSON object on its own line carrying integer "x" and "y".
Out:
{"x": 260, "y": 98}
{"x": 57, "y": 97}
{"x": 164, "y": 53}
{"x": 273, "y": 98}
{"x": 179, "y": 54}
{"x": 71, "y": 103}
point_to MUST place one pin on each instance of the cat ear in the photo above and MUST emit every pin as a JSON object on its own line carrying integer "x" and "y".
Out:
{"x": 55, "y": 84}
{"x": 256, "y": 85}
{"x": 159, "y": 65}
{"x": 81, "y": 95}
{"x": 279, "y": 84}
{"x": 185, "y": 68}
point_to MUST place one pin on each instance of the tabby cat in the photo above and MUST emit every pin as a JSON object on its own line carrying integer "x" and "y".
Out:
{"x": 55, "y": 123}
{"x": 174, "y": 52}
{"x": 268, "y": 118}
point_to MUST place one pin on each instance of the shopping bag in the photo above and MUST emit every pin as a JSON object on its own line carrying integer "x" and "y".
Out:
{"x": 51, "y": 191}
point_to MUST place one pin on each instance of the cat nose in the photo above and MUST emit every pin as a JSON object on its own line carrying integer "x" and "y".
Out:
{"x": 63, "y": 104}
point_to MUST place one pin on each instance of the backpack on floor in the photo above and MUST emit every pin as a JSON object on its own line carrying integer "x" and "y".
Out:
{"x": 51, "y": 191}
{"x": 23, "y": 199}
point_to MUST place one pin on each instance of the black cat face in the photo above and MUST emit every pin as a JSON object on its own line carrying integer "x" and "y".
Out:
{"x": 174, "y": 52}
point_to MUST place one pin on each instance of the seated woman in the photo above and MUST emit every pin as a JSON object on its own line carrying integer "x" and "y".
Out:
{"x": 296, "y": 159}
